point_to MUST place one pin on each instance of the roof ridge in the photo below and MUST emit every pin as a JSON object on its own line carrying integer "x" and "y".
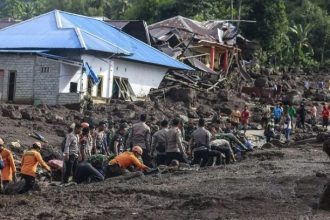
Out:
{"x": 80, "y": 38}
{"x": 100, "y": 38}
{"x": 28, "y": 20}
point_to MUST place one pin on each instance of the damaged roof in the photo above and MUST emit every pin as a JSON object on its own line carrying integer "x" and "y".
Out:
{"x": 63, "y": 30}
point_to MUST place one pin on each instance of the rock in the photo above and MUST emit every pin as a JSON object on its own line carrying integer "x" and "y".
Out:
{"x": 188, "y": 96}
{"x": 27, "y": 114}
{"x": 325, "y": 198}
{"x": 255, "y": 126}
{"x": 6, "y": 112}
{"x": 322, "y": 96}
{"x": 204, "y": 111}
{"x": 16, "y": 115}
{"x": 261, "y": 82}
{"x": 321, "y": 175}
{"x": 286, "y": 76}
{"x": 292, "y": 98}
{"x": 267, "y": 146}
{"x": 126, "y": 114}
{"x": 223, "y": 95}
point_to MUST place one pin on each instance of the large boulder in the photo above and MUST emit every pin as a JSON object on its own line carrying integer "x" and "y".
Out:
{"x": 261, "y": 82}
{"x": 186, "y": 95}
{"x": 27, "y": 114}
{"x": 16, "y": 115}
{"x": 292, "y": 98}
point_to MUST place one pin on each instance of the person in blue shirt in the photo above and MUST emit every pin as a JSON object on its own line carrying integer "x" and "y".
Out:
{"x": 277, "y": 113}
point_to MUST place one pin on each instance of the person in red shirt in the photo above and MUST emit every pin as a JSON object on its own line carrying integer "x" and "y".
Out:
{"x": 245, "y": 115}
{"x": 325, "y": 116}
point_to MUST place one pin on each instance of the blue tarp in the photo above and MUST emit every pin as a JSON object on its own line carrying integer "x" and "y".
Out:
{"x": 63, "y": 30}
{"x": 88, "y": 70}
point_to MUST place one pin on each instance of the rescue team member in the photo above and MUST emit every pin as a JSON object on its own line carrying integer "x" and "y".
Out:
{"x": 8, "y": 173}
{"x": 120, "y": 163}
{"x": 30, "y": 160}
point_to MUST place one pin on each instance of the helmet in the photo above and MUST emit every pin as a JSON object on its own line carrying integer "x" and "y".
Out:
{"x": 37, "y": 145}
{"x": 1, "y": 142}
{"x": 84, "y": 125}
{"x": 138, "y": 150}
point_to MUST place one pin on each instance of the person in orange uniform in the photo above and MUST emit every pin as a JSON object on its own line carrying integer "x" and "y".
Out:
{"x": 120, "y": 163}
{"x": 30, "y": 160}
{"x": 8, "y": 173}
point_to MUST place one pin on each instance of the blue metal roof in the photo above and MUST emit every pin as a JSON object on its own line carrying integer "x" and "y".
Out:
{"x": 63, "y": 30}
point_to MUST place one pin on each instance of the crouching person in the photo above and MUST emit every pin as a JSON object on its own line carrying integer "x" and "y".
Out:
{"x": 30, "y": 160}
{"x": 86, "y": 173}
{"x": 118, "y": 166}
{"x": 200, "y": 145}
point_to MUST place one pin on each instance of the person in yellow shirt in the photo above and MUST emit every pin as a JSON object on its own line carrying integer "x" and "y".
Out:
{"x": 8, "y": 173}
{"x": 120, "y": 163}
{"x": 235, "y": 117}
{"x": 30, "y": 160}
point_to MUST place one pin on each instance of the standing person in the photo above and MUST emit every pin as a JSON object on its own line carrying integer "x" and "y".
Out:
{"x": 293, "y": 114}
{"x": 235, "y": 117}
{"x": 325, "y": 116}
{"x": 1, "y": 167}
{"x": 159, "y": 142}
{"x": 86, "y": 144}
{"x": 101, "y": 139}
{"x": 266, "y": 114}
{"x": 313, "y": 112}
{"x": 270, "y": 129}
{"x": 71, "y": 153}
{"x": 277, "y": 114}
{"x": 321, "y": 85}
{"x": 118, "y": 144}
{"x": 200, "y": 145}
{"x": 174, "y": 148}
{"x": 140, "y": 136}
{"x": 306, "y": 84}
{"x": 301, "y": 113}
{"x": 287, "y": 127}
{"x": 30, "y": 160}
{"x": 8, "y": 173}
{"x": 245, "y": 118}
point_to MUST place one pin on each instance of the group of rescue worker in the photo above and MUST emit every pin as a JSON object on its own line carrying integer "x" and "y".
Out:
{"x": 91, "y": 154}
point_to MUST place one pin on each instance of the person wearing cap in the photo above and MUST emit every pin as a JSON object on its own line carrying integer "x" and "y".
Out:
{"x": 159, "y": 142}
{"x": 101, "y": 139}
{"x": 118, "y": 166}
{"x": 118, "y": 143}
{"x": 71, "y": 153}
{"x": 8, "y": 173}
{"x": 30, "y": 160}
{"x": 140, "y": 135}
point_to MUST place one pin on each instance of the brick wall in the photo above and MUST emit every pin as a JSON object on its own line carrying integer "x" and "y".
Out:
{"x": 23, "y": 65}
{"x": 46, "y": 84}
{"x": 68, "y": 98}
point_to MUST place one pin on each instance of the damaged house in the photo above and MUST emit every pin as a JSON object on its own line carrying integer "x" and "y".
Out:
{"x": 58, "y": 57}
{"x": 210, "y": 46}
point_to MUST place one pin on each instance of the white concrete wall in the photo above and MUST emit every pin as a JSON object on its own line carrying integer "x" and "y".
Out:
{"x": 102, "y": 67}
{"x": 142, "y": 77}
{"x": 68, "y": 74}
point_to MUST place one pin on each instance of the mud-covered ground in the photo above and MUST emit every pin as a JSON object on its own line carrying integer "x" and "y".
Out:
{"x": 275, "y": 183}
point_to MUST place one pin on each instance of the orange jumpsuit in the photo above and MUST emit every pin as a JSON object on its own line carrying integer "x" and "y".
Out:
{"x": 10, "y": 168}
{"x": 30, "y": 160}
{"x": 127, "y": 159}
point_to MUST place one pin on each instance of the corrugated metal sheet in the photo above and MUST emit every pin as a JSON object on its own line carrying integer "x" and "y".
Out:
{"x": 62, "y": 30}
